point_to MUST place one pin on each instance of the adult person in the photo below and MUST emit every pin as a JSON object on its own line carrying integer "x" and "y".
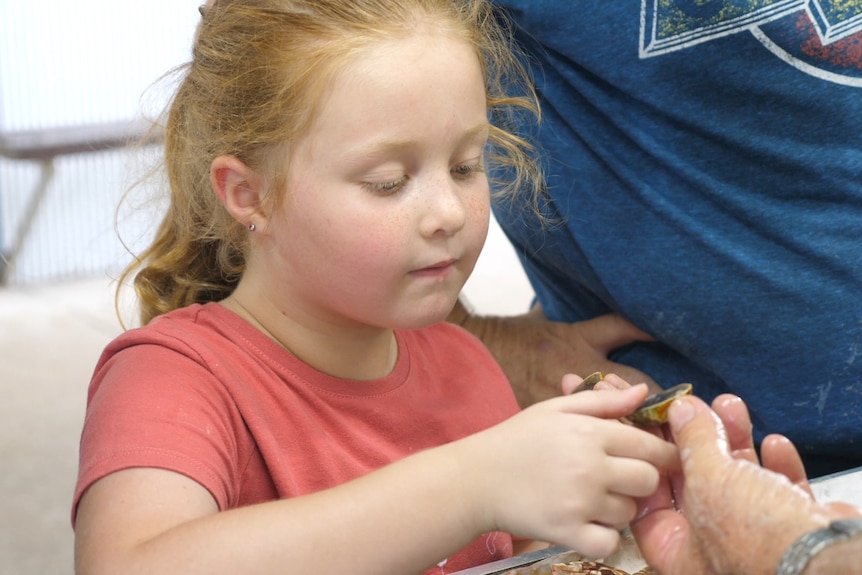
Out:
{"x": 704, "y": 178}
{"x": 739, "y": 517}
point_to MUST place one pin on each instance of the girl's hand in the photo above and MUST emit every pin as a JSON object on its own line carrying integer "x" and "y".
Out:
{"x": 565, "y": 470}
{"x": 611, "y": 381}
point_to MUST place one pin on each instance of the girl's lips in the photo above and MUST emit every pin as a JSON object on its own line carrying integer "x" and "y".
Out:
{"x": 438, "y": 269}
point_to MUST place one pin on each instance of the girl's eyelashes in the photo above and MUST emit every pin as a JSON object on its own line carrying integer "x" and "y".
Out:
{"x": 385, "y": 188}
{"x": 465, "y": 171}
{"x": 461, "y": 172}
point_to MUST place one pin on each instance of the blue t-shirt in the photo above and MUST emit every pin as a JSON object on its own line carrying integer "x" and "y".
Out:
{"x": 704, "y": 164}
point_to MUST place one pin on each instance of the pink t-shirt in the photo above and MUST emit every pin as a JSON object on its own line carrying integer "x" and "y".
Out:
{"x": 201, "y": 392}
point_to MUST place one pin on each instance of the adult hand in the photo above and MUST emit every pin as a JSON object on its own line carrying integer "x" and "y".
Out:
{"x": 737, "y": 517}
{"x": 535, "y": 352}
{"x": 778, "y": 453}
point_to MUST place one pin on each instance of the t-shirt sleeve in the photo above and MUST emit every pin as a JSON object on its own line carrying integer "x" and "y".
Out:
{"x": 152, "y": 406}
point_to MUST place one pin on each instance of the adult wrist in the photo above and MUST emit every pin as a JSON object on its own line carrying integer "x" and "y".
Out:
{"x": 806, "y": 548}
{"x": 483, "y": 327}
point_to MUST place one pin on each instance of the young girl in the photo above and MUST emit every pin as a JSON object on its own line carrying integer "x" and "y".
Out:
{"x": 295, "y": 402}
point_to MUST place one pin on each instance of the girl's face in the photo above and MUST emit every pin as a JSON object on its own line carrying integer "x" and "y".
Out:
{"x": 387, "y": 203}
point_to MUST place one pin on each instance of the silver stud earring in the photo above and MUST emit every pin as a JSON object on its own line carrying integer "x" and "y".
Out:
{"x": 251, "y": 227}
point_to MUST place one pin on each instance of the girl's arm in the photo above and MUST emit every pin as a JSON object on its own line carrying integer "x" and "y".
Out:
{"x": 557, "y": 472}
{"x": 400, "y": 519}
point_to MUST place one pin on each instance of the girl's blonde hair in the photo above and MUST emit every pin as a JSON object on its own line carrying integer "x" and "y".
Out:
{"x": 257, "y": 72}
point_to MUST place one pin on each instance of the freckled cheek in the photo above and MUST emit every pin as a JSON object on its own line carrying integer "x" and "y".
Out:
{"x": 373, "y": 251}
{"x": 479, "y": 210}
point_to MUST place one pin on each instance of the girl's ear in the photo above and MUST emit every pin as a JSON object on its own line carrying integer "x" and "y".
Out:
{"x": 238, "y": 188}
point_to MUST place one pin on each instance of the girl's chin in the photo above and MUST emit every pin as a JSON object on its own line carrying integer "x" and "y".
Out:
{"x": 421, "y": 323}
{"x": 425, "y": 317}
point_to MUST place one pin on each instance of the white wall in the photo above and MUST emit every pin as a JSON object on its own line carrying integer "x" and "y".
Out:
{"x": 67, "y": 63}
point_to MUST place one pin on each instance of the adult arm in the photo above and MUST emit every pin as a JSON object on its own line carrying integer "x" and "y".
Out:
{"x": 844, "y": 558}
{"x": 515, "y": 477}
{"x": 535, "y": 352}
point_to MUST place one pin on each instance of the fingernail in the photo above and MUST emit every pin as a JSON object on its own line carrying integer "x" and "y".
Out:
{"x": 680, "y": 413}
{"x": 727, "y": 399}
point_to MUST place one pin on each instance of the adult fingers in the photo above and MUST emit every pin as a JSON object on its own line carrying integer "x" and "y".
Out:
{"x": 663, "y": 537}
{"x": 610, "y": 331}
{"x": 698, "y": 433}
{"x": 662, "y": 498}
{"x": 780, "y": 455}
{"x": 842, "y": 510}
{"x": 737, "y": 423}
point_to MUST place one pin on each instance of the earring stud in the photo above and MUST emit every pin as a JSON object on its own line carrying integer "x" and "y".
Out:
{"x": 251, "y": 227}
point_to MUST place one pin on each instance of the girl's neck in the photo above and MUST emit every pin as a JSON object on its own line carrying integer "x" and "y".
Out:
{"x": 344, "y": 353}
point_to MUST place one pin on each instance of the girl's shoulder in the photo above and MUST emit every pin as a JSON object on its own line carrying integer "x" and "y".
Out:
{"x": 198, "y": 326}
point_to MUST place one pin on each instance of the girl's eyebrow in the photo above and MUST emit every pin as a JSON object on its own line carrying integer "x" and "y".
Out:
{"x": 383, "y": 147}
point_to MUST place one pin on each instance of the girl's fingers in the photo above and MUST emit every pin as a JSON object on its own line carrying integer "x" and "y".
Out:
{"x": 613, "y": 381}
{"x": 593, "y": 540}
{"x": 571, "y": 383}
{"x": 616, "y": 511}
{"x": 631, "y": 477}
{"x": 603, "y": 404}
{"x": 639, "y": 446}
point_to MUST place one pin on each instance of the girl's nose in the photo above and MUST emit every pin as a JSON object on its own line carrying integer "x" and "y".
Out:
{"x": 446, "y": 211}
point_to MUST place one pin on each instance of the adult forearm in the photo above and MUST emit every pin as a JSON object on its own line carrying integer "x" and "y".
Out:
{"x": 535, "y": 353}
{"x": 844, "y": 557}
{"x": 525, "y": 346}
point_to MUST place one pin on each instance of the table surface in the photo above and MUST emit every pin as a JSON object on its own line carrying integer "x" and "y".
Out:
{"x": 845, "y": 486}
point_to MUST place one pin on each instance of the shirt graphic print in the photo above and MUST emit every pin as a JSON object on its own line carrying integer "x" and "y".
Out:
{"x": 819, "y": 37}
